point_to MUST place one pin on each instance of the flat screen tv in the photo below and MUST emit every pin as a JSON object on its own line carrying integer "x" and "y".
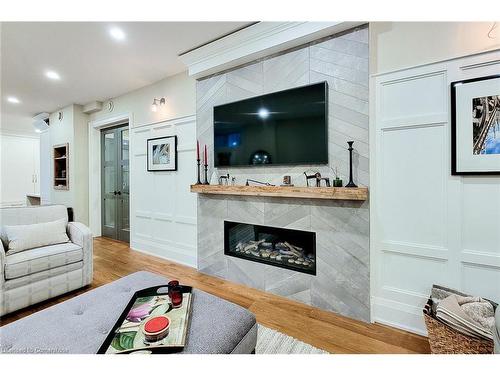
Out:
{"x": 281, "y": 128}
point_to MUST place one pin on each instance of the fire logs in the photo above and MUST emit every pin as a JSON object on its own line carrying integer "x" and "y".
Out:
{"x": 281, "y": 252}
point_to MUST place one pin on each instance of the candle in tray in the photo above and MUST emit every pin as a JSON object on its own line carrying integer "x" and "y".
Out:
{"x": 197, "y": 150}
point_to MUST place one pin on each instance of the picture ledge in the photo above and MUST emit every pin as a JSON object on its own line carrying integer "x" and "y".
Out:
{"x": 332, "y": 193}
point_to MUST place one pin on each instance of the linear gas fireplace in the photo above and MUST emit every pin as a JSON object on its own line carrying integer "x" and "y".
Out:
{"x": 286, "y": 248}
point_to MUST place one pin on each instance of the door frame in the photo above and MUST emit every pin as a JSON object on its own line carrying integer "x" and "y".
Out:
{"x": 95, "y": 128}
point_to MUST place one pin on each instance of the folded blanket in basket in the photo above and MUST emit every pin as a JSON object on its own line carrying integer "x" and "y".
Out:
{"x": 472, "y": 316}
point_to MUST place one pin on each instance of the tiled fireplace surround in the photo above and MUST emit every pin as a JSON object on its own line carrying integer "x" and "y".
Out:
{"x": 341, "y": 283}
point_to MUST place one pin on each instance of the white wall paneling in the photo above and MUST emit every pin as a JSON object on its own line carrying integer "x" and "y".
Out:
{"x": 428, "y": 227}
{"x": 163, "y": 210}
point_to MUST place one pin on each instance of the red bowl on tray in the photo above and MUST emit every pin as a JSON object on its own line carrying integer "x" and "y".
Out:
{"x": 156, "y": 328}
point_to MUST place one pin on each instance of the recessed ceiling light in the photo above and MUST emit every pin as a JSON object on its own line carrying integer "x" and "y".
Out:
{"x": 52, "y": 75}
{"x": 13, "y": 99}
{"x": 117, "y": 33}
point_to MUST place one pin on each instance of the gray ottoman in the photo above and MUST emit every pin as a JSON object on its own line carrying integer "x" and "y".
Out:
{"x": 81, "y": 324}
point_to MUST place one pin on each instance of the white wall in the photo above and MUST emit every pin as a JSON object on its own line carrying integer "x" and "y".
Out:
{"x": 398, "y": 45}
{"x": 427, "y": 226}
{"x": 45, "y": 167}
{"x": 17, "y": 124}
{"x": 71, "y": 129}
{"x": 162, "y": 210}
{"x": 179, "y": 91}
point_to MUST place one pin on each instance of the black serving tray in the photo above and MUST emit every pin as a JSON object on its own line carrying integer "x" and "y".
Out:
{"x": 156, "y": 293}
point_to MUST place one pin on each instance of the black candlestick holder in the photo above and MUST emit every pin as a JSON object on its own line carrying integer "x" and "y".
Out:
{"x": 351, "y": 183}
{"x": 206, "y": 175}
{"x": 198, "y": 172}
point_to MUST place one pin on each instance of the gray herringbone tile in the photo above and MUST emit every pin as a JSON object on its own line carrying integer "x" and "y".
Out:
{"x": 342, "y": 228}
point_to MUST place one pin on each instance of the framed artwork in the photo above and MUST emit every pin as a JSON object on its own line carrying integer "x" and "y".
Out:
{"x": 162, "y": 154}
{"x": 475, "y": 126}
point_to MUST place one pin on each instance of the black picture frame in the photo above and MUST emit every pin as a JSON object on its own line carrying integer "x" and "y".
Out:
{"x": 149, "y": 154}
{"x": 453, "y": 95}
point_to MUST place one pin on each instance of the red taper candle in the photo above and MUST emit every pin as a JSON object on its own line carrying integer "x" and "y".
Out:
{"x": 197, "y": 150}
{"x": 206, "y": 158}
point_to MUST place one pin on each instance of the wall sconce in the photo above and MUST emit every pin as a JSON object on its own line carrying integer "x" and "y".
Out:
{"x": 156, "y": 102}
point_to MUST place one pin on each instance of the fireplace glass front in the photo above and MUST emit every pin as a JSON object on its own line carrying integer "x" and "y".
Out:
{"x": 281, "y": 247}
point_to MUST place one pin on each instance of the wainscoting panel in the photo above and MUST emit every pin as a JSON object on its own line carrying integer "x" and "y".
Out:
{"x": 342, "y": 228}
{"x": 428, "y": 227}
{"x": 481, "y": 279}
{"x": 407, "y": 216}
{"x": 397, "y": 99}
{"x": 164, "y": 211}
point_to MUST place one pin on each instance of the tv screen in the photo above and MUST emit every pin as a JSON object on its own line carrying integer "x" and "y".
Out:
{"x": 286, "y": 127}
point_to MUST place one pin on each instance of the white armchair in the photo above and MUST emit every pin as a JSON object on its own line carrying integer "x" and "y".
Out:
{"x": 35, "y": 275}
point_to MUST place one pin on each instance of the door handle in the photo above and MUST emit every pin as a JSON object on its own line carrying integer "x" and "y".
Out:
{"x": 119, "y": 192}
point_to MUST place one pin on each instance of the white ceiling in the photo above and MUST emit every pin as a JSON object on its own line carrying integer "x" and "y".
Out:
{"x": 92, "y": 65}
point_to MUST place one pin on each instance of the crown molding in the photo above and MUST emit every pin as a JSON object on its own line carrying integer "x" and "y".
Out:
{"x": 254, "y": 42}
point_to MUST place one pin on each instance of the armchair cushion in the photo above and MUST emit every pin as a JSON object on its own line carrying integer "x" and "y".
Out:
{"x": 40, "y": 276}
{"x": 24, "y": 237}
{"x": 41, "y": 259}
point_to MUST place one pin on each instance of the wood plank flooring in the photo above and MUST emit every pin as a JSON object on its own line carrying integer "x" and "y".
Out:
{"x": 323, "y": 329}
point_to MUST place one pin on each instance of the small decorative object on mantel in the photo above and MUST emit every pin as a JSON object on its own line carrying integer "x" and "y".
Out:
{"x": 257, "y": 182}
{"x": 224, "y": 180}
{"x": 287, "y": 181}
{"x": 317, "y": 176}
{"x": 337, "y": 182}
{"x": 198, "y": 182}
{"x": 475, "y": 126}
{"x": 162, "y": 154}
{"x": 351, "y": 182}
{"x": 233, "y": 181}
{"x": 206, "y": 167}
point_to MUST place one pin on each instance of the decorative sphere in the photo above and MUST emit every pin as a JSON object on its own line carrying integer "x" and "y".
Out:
{"x": 260, "y": 157}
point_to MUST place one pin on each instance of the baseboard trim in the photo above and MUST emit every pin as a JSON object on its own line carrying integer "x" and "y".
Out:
{"x": 399, "y": 315}
{"x": 161, "y": 251}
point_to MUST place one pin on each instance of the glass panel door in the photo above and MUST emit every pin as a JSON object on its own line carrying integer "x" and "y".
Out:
{"x": 123, "y": 216}
{"x": 115, "y": 183}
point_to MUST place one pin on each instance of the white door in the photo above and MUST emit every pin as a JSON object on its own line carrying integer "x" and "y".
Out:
{"x": 36, "y": 166}
{"x": 18, "y": 169}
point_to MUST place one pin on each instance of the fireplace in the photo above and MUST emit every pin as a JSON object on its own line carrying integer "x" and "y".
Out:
{"x": 280, "y": 247}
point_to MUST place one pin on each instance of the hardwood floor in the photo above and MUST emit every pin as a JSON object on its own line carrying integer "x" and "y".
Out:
{"x": 325, "y": 330}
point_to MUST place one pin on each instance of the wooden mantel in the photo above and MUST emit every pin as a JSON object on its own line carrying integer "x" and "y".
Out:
{"x": 339, "y": 193}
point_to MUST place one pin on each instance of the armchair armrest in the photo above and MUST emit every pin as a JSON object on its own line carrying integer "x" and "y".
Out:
{"x": 80, "y": 234}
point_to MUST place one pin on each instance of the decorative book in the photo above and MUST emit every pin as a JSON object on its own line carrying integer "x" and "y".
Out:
{"x": 153, "y": 322}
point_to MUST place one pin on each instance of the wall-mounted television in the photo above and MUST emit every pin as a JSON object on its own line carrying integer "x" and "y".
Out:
{"x": 281, "y": 128}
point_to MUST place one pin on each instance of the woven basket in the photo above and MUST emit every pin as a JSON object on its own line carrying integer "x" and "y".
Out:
{"x": 445, "y": 340}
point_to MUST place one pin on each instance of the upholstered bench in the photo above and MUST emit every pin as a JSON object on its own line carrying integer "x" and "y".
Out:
{"x": 80, "y": 324}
